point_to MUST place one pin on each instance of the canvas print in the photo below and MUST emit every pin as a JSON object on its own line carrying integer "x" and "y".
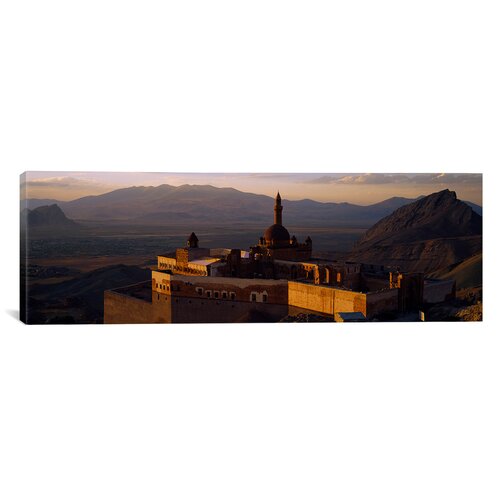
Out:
{"x": 132, "y": 247}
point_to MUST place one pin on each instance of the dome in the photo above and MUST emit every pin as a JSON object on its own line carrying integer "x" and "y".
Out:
{"x": 277, "y": 233}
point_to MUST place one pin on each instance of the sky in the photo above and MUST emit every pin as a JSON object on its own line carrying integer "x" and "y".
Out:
{"x": 358, "y": 188}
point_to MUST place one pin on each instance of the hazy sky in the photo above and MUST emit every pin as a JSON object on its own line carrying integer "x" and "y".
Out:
{"x": 362, "y": 189}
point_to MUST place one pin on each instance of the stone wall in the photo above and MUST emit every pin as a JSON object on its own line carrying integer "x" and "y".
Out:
{"x": 438, "y": 291}
{"x": 231, "y": 289}
{"x": 311, "y": 297}
{"x": 374, "y": 283}
{"x": 382, "y": 301}
{"x": 202, "y": 310}
{"x": 325, "y": 300}
{"x": 292, "y": 253}
{"x": 123, "y": 309}
{"x": 205, "y": 299}
{"x": 347, "y": 301}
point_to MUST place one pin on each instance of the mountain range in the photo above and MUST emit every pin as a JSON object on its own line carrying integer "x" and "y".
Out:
{"x": 165, "y": 204}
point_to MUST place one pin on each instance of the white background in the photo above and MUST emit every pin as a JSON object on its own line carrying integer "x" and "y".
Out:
{"x": 249, "y": 411}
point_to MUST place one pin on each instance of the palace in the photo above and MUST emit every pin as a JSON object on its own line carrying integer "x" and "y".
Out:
{"x": 275, "y": 278}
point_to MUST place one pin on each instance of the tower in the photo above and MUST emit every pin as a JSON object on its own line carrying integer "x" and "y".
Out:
{"x": 278, "y": 209}
{"x": 276, "y": 242}
{"x": 192, "y": 241}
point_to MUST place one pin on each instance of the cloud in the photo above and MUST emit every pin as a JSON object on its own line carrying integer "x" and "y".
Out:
{"x": 361, "y": 179}
{"x": 374, "y": 179}
{"x": 278, "y": 175}
{"x": 65, "y": 187}
{"x": 448, "y": 179}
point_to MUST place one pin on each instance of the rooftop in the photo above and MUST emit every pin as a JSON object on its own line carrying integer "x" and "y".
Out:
{"x": 205, "y": 261}
{"x": 140, "y": 291}
{"x": 351, "y": 316}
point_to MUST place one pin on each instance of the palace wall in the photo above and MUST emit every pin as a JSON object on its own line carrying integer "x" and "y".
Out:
{"x": 311, "y": 297}
{"x": 164, "y": 308}
{"x": 204, "y": 299}
{"x": 232, "y": 289}
{"x": 438, "y": 291}
{"x": 382, "y": 301}
{"x": 325, "y": 300}
{"x": 373, "y": 283}
{"x": 120, "y": 308}
{"x": 202, "y": 310}
{"x": 348, "y": 301}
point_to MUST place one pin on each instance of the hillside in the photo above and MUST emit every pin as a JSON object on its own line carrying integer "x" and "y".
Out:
{"x": 431, "y": 233}
{"x": 467, "y": 274}
{"x": 82, "y": 297}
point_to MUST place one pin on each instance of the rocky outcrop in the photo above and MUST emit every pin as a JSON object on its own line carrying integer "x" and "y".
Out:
{"x": 429, "y": 234}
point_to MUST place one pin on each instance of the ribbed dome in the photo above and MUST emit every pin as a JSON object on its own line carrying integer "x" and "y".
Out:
{"x": 277, "y": 233}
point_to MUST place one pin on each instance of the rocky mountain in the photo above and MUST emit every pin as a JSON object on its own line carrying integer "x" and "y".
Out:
{"x": 165, "y": 204}
{"x": 32, "y": 203}
{"x": 431, "y": 233}
{"x": 48, "y": 219}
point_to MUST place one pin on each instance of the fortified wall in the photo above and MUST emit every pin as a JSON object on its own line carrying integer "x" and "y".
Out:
{"x": 439, "y": 290}
{"x": 203, "y": 299}
{"x": 329, "y": 300}
{"x": 197, "y": 299}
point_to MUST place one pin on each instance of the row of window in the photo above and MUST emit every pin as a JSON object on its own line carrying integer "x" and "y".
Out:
{"x": 216, "y": 294}
{"x": 168, "y": 288}
{"x": 253, "y": 297}
{"x": 159, "y": 286}
{"x": 226, "y": 295}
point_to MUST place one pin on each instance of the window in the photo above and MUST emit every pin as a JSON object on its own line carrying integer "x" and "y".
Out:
{"x": 224, "y": 295}
{"x": 233, "y": 296}
{"x": 199, "y": 291}
{"x": 254, "y": 297}
{"x": 208, "y": 293}
{"x": 216, "y": 295}
{"x": 264, "y": 297}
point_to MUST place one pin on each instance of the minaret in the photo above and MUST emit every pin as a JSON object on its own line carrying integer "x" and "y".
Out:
{"x": 277, "y": 209}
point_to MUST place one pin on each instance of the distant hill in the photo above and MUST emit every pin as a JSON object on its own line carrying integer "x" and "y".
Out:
{"x": 48, "y": 220}
{"x": 204, "y": 204}
{"x": 49, "y": 215}
{"x": 429, "y": 234}
{"x": 32, "y": 203}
